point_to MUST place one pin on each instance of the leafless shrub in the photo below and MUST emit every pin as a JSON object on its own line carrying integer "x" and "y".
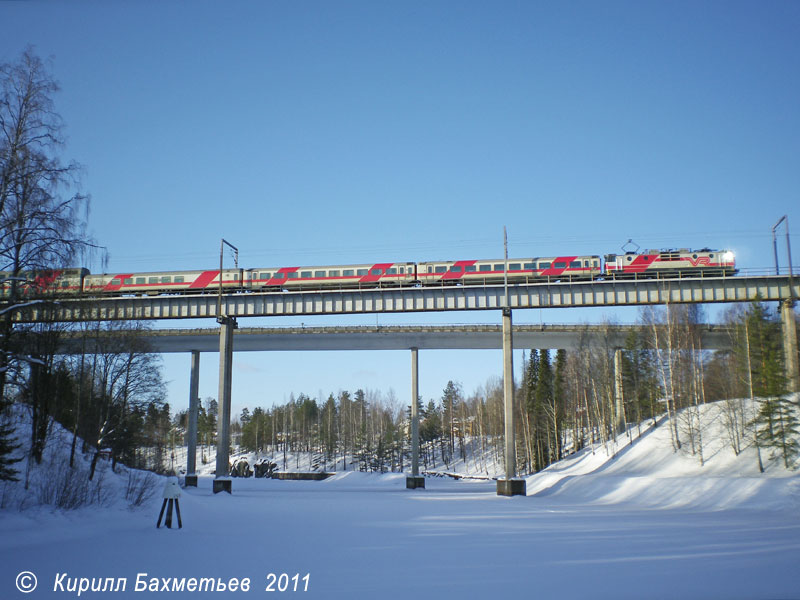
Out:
{"x": 140, "y": 488}
{"x": 65, "y": 488}
{"x": 70, "y": 489}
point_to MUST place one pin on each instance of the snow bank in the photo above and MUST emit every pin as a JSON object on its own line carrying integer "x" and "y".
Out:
{"x": 647, "y": 471}
{"x": 53, "y": 484}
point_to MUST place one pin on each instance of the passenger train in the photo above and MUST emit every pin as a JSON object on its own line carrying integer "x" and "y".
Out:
{"x": 644, "y": 265}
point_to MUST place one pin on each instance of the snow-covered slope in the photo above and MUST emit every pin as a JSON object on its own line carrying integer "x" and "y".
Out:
{"x": 53, "y": 483}
{"x": 647, "y": 470}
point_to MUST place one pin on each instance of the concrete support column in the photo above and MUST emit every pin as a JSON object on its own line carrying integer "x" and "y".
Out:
{"x": 790, "y": 346}
{"x": 222, "y": 482}
{"x": 415, "y": 480}
{"x": 191, "y": 433}
{"x": 510, "y": 486}
{"x": 619, "y": 398}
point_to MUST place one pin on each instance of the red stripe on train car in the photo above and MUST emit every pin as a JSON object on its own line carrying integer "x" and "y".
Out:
{"x": 640, "y": 264}
{"x": 114, "y": 287}
{"x": 370, "y": 278}
{"x": 280, "y": 281}
{"x": 458, "y": 274}
{"x": 203, "y": 280}
{"x": 554, "y": 271}
{"x": 43, "y": 280}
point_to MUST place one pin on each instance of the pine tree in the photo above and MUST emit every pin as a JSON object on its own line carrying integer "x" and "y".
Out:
{"x": 776, "y": 423}
{"x": 559, "y": 400}
{"x": 451, "y": 396}
{"x": 7, "y": 447}
{"x": 542, "y": 404}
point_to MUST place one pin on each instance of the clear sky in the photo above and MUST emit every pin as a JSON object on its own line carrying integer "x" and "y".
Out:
{"x": 349, "y": 132}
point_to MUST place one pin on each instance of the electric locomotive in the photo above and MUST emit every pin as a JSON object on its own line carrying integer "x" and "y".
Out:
{"x": 670, "y": 263}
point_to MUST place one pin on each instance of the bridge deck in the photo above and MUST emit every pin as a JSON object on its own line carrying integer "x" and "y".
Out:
{"x": 397, "y": 337}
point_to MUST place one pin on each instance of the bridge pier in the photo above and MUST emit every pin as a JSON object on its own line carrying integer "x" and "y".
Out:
{"x": 415, "y": 481}
{"x": 790, "y": 346}
{"x": 510, "y": 486}
{"x": 222, "y": 482}
{"x": 194, "y": 406}
{"x": 619, "y": 398}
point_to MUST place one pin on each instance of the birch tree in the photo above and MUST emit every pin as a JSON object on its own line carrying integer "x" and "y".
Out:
{"x": 42, "y": 215}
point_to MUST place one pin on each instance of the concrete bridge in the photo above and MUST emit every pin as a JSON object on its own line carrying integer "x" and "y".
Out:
{"x": 393, "y": 337}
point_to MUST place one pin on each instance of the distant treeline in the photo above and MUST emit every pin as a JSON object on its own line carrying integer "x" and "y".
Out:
{"x": 565, "y": 400}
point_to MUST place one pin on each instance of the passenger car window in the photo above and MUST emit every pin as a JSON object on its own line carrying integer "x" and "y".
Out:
{"x": 334, "y": 273}
{"x": 470, "y": 268}
{"x": 319, "y": 273}
{"x": 361, "y": 272}
{"x": 560, "y": 265}
{"x": 575, "y": 264}
{"x": 376, "y": 272}
{"x": 455, "y": 269}
{"x": 514, "y": 267}
{"x": 305, "y": 274}
{"x": 348, "y": 272}
{"x": 484, "y": 268}
{"x": 265, "y": 276}
{"x": 544, "y": 265}
{"x": 178, "y": 278}
{"x": 440, "y": 269}
{"x": 529, "y": 266}
{"x": 166, "y": 279}
{"x": 152, "y": 280}
{"x": 500, "y": 268}
{"x": 140, "y": 281}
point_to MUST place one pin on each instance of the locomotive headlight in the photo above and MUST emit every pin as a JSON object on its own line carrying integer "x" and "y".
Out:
{"x": 728, "y": 256}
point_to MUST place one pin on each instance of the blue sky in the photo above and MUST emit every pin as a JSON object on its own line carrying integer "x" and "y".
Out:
{"x": 350, "y": 132}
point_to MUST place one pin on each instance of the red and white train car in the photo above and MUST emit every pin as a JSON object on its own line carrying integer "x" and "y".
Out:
{"x": 519, "y": 270}
{"x": 161, "y": 283}
{"x": 35, "y": 283}
{"x": 671, "y": 263}
{"x": 365, "y": 275}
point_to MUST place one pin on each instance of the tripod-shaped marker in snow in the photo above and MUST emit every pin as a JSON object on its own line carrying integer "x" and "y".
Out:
{"x": 172, "y": 491}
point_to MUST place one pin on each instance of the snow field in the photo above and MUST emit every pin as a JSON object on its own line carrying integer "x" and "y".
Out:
{"x": 647, "y": 523}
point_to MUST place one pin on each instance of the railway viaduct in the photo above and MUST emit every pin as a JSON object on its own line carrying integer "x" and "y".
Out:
{"x": 226, "y": 309}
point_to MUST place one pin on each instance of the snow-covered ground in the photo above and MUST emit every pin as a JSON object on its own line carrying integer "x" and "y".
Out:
{"x": 648, "y": 523}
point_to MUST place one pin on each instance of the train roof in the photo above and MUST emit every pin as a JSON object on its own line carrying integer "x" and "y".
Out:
{"x": 511, "y": 258}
